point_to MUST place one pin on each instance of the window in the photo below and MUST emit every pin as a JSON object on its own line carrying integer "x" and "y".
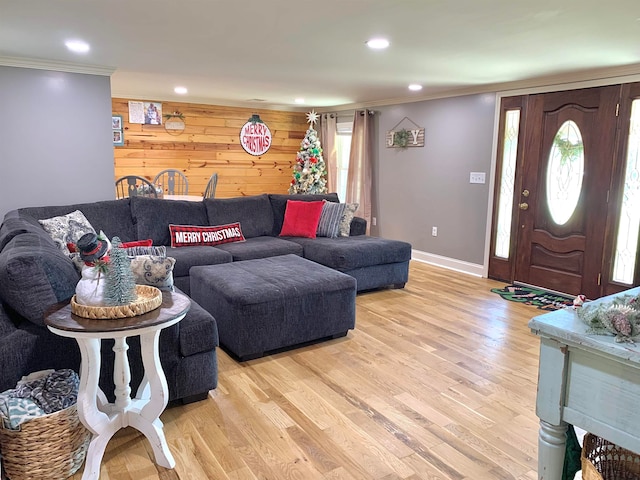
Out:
{"x": 343, "y": 149}
{"x": 505, "y": 205}
{"x": 627, "y": 241}
{"x": 564, "y": 172}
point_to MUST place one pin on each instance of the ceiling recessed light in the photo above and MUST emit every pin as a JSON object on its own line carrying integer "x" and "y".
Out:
{"x": 415, "y": 87}
{"x": 77, "y": 46}
{"x": 299, "y": 100}
{"x": 378, "y": 43}
{"x": 180, "y": 90}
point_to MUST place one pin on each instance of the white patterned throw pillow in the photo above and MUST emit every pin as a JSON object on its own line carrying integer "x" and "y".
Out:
{"x": 347, "y": 216}
{"x": 67, "y": 228}
{"x": 153, "y": 270}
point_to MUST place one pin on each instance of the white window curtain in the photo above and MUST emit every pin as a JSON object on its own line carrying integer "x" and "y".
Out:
{"x": 360, "y": 163}
{"x": 328, "y": 133}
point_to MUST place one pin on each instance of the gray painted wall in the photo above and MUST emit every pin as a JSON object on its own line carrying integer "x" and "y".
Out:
{"x": 56, "y": 148}
{"x": 55, "y": 139}
{"x": 421, "y": 187}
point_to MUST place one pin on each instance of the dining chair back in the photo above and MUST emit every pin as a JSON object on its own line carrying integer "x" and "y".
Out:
{"x": 210, "y": 190}
{"x": 134, "y": 185}
{"x": 172, "y": 182}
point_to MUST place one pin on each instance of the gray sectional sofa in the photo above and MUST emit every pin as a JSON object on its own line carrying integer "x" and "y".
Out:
{"x": 35, "y": 274}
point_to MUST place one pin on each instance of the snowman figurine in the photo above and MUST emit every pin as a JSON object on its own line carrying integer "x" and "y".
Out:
{"x": 94, "y": 251}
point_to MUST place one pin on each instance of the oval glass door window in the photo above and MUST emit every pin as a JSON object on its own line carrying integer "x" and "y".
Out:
{"x": 564, "y": 172}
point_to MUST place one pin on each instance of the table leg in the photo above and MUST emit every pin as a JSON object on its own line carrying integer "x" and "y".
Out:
{"x": 552, "y": 441}
{"x": 143, "y": 392}
{"x": 121, "y": 374}
{"x": 155, "y": 385}
{"x": 89, "y": 395}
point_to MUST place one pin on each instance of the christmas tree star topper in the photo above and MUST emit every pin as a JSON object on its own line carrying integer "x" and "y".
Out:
{"x": 312, "y": 117}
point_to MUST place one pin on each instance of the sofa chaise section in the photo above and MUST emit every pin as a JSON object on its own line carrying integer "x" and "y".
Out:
{"x": 374, "y": 262}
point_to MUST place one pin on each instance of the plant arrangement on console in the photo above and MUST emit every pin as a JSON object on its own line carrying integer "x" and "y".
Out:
{"x": 620, "y": 317}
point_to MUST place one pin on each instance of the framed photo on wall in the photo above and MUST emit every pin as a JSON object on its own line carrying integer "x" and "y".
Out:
{"x": 117, "y": 130}
{"x": 118, "y": 140}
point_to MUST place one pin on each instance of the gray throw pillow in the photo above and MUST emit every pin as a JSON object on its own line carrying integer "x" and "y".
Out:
{"x": 158, "y": 250}
{"x": 330, "y": 218}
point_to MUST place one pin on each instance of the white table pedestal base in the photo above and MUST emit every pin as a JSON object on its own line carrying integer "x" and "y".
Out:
{"x": 104, "y": 419}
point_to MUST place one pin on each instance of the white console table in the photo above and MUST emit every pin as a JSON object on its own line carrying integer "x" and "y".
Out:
{"x": 586, "y": 380}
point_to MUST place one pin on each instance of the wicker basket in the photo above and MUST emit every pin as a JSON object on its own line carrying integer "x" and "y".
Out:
{"x": 148, "y": 299}
{"x": 49, "y": 447}
{"x": 603, "y": 460}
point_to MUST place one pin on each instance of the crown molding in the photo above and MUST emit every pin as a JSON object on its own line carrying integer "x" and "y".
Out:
{"x": 563, "y": 81}
{"x": 42, "y": 64}
{"x": 221, "y": 102}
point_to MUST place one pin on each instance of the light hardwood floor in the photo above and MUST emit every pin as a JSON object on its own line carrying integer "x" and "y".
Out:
{"x": 437, "y": 381}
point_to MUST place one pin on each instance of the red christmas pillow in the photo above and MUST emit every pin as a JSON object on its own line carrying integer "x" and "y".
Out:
{"x": 301, "y": 219}
{"x": 190, "y": 235}
{"x": 138, "y": 243}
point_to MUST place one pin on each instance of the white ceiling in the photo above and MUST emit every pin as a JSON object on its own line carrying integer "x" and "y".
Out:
{"x": 231, "y": 52}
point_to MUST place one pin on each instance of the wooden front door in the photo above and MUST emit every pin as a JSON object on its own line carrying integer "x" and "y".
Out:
{"x": 569, "y": 151}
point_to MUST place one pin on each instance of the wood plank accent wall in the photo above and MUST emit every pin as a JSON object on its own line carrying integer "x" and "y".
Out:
{"x": 211, "y": 143}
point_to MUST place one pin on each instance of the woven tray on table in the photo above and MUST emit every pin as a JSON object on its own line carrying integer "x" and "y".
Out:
{"x": 149, "y": 298}
{"x": 49, "y": 447}
{"x": 603, "y": 460}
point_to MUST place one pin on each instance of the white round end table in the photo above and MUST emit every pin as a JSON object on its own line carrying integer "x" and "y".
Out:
{"x": 104, "y": 419}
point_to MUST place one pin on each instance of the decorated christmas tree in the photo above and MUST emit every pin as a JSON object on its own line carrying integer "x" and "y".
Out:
{"x": 309, "y": 172}
{"x": 120, "y": 285}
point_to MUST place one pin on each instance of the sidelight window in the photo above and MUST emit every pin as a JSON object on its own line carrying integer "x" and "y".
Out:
{"x": 627, "y": 239}
{"x": 507, "y": 181}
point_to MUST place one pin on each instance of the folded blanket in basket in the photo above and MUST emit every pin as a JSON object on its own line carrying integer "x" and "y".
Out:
{"x": 16, "y": 411}
{"x": 38, "y": 394}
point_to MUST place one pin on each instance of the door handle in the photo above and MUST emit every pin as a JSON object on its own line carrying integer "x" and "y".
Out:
{"x": 523, "y": 206}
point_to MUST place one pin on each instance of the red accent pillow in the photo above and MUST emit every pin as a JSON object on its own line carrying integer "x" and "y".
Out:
{"x": 138, "y": 243}
{"x": 301, "y": 219}
{"x": 190, "y": 235}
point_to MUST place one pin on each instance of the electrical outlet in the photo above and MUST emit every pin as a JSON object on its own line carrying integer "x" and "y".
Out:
{"x": 374, "y": 221}
{"x": 476, "y": 177}
{"x": 434, "y": 231}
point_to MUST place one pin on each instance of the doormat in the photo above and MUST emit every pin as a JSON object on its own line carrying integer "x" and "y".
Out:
{"x": 536, "y": 297}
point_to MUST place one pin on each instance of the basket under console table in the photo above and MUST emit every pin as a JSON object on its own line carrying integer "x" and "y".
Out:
{"x": 586, "y": 380}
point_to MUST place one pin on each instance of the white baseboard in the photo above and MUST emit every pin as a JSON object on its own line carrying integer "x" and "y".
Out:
{"x": 446, "y": 262}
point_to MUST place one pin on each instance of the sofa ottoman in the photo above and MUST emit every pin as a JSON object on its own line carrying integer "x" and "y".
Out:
{"x": 270, "y": 304}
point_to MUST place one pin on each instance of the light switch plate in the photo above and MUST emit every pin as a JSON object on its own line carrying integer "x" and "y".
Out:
{"x": 476, "y": 177}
